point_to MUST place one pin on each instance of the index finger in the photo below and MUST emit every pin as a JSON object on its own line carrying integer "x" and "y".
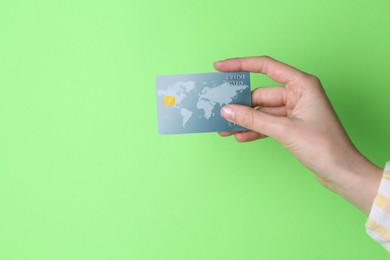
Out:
{"x": 274, "y": 69}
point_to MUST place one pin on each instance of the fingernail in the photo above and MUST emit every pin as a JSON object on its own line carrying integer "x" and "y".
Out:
{"x": 228, "y": 113}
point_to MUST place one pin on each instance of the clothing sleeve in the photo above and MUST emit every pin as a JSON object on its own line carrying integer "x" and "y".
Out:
{"x": 378, "y": 223}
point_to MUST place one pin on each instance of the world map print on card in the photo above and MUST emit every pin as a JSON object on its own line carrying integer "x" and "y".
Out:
{"x": 191, "y": 103}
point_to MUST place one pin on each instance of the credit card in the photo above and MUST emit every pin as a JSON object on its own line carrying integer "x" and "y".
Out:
{"x": 191, "y": 103}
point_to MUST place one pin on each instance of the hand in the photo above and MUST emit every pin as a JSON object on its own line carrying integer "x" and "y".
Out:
{"x": 300, "y": 116}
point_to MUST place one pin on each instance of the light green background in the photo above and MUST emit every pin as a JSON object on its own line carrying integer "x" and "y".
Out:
{"x": 84, "y": 174}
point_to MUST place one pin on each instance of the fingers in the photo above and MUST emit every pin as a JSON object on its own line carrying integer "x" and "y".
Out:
{"x": 270, "y": 119}
{"x": 255, "y": 120}
{"x": 274, "y": 69}
{"x": 224, "y": 134}
{"x": 248, "y": 136}
{"x": 275, "y": 111}
{"x": 244, "y": 136}
{"x": 269, "y": 96}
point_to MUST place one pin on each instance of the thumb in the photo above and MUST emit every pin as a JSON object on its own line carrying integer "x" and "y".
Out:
{"x": 255, "y": 120}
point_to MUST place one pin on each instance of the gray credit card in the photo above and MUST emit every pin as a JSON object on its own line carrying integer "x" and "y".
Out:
{"x": 191, "y": 103}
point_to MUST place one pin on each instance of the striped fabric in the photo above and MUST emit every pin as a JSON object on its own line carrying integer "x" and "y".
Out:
{"x": 378, "y": 223}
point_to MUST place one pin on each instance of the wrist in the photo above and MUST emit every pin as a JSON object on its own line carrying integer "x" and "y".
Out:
{"x": 357, "y": 181}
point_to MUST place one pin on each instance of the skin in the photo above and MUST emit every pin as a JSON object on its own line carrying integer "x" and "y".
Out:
{"x": 300, "y": 117}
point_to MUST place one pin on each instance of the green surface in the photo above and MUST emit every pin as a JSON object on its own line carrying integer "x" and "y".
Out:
{"x": 84, "y": 174}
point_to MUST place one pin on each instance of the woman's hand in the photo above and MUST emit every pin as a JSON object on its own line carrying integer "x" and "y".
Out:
{"x": 300, "y": 116}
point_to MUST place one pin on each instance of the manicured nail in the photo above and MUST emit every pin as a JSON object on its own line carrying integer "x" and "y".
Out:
{"x": 229, "y": 113}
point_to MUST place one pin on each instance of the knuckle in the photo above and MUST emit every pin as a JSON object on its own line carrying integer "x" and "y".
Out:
{"x": 313, "y": 79}
{"x": 247, "y": 119}
{"x": 267, "y": 57}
